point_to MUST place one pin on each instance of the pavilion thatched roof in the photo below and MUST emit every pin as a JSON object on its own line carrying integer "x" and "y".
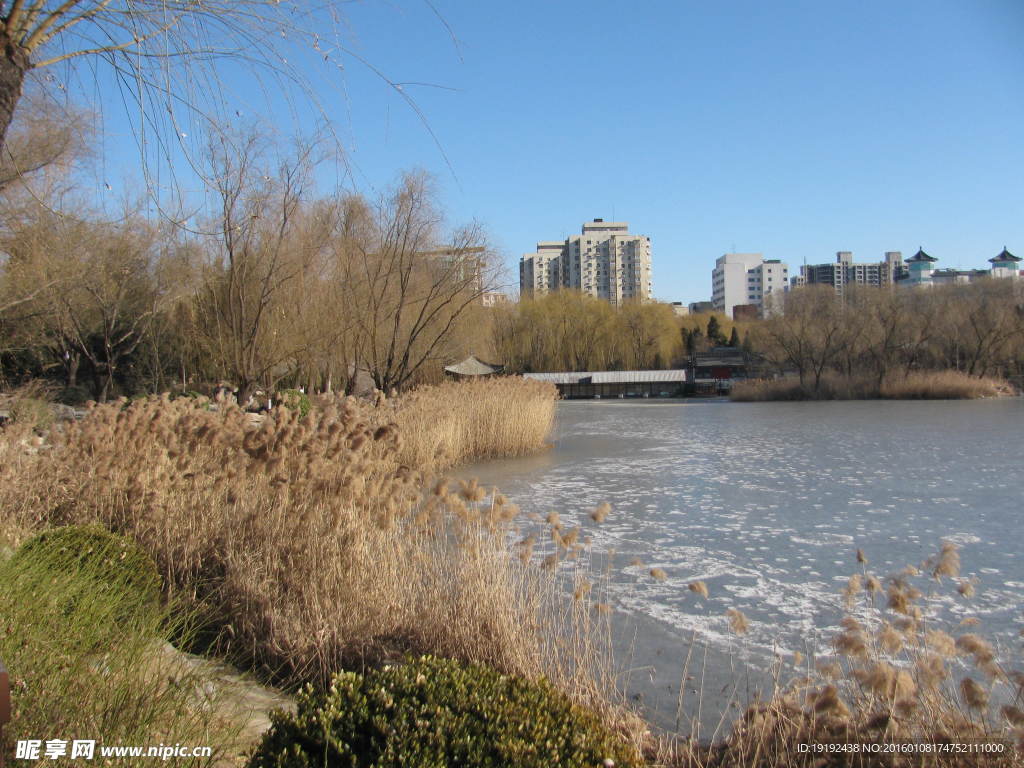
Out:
{"x": 472, "y": 366}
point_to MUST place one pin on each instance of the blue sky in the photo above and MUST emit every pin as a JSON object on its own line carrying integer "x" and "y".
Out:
{"x": 796, "y": 129}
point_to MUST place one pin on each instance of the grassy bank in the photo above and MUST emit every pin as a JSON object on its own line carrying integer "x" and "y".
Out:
{"x": 932, "y": 385}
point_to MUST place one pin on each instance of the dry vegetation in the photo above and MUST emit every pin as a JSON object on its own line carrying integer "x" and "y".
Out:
{"x": 458, "y": 422}
{"x": 316, "y": 544}
{"x": 895, "y": 677}
{"x": 567, "y": 330}
{"x": 283, "y": 289}
{"x": 881, "y": 342}
{"x": 933, "y": 385}
{"x": 312, "y": 544}
{"x": 311, "y": 541}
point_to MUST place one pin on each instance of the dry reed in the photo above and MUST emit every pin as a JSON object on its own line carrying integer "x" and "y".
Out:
{"x": 321, "y": 542}
{"x": 889, "y": 682}
{"x": 461, "y": 421}
{"x": 928, "y": 385}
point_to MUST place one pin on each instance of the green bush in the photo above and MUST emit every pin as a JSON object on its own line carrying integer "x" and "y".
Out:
{"x": 296, "y": 400}
{"x": 87, "y": 657}
{"x": 114, "y": 563}
{"x": 433, "y": 712}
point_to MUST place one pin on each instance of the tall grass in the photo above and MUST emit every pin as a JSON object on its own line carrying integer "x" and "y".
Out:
{"x": 314, "y": 544}
{"x": 84, "y": 664}
{"x": 460, "y": 421}
{"x": 931, "y": 385}
{"x": 31, "y": 406}
{"x": 894, "y": 683}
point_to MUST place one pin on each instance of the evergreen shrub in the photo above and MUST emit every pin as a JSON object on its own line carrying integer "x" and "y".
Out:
{"x": 432, "y": 713}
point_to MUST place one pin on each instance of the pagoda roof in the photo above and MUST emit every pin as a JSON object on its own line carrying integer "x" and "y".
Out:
{"x": 472, "y": 366}
{"x": 1004, "y": 255}
{"x": 921, "y": 256}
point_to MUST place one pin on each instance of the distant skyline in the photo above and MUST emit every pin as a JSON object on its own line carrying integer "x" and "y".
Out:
{"x": 792, "y": 129}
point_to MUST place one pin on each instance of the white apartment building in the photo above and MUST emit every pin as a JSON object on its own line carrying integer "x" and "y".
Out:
{"x": 540, "y": 272}
{"x": 748, "y": 278}
{"x": 604, "y": 261}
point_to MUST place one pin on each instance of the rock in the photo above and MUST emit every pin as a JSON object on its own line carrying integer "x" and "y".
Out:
{"x": 223, "y": 690}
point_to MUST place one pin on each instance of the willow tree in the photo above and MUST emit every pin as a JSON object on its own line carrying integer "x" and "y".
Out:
{"x": 95, "y": 297}
{"x": 410, "y": 283}
{"x": 244, "y": 304}
{"x": 163, "y": 54}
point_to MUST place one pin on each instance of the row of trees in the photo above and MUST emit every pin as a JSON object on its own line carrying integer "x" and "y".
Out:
{"x": 869, "y": 333}
{"x": 571, "y": 331}
{"x": 275, "y": 285}
{"x": 977, "y": 328}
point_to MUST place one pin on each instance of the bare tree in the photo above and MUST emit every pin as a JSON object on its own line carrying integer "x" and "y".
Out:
{"x": 253, "y": 262}
{"x": 96, "y": 294}
{"x": 409, "y": 284}
{"x": 44, "y": 135}
{"x": 984, "y": 321}
{"x": 162, "y": 51}
{"x": 808, "y": 336}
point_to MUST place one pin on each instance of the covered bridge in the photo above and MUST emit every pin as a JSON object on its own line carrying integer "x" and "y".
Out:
{"x": 581, "y": 384}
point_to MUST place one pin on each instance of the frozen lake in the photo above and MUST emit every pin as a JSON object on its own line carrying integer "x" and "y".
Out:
{"x": 767, "y": 503}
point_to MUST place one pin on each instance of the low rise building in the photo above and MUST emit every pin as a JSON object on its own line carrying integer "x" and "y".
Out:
{"x": 603, "y": 384}
{"x": 746, "y": 312}
{"x": 1005, "y": 264}
{"x": 467, "y": 265}
{"x": 957, "y": 276}
{"x": 493, "y": 298}
{"x": 715, "y": 371}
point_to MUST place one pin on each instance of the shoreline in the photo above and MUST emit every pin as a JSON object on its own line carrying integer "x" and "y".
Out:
{"x": 931, "y": 385}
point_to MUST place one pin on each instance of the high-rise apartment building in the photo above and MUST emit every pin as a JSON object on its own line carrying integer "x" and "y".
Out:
{"x": 748, "y": 278}
{"x": 845, "y": 271}
{"x": 605, "y": 261}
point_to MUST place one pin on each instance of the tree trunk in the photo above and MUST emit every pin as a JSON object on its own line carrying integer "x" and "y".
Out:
{"x": 13, "y": 65}
{"x": 108, "y": 384}
{"x": 246, "y": 388}
{"x": 98, "y": 391}
{"x": 71, "y": 366}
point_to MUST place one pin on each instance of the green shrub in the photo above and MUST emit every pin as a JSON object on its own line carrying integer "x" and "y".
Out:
{"x": 114, "y": 563}
{"x": 87, "y": 658}
{"x": 434, "y": 712}
{"x": 296, "y": 400}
